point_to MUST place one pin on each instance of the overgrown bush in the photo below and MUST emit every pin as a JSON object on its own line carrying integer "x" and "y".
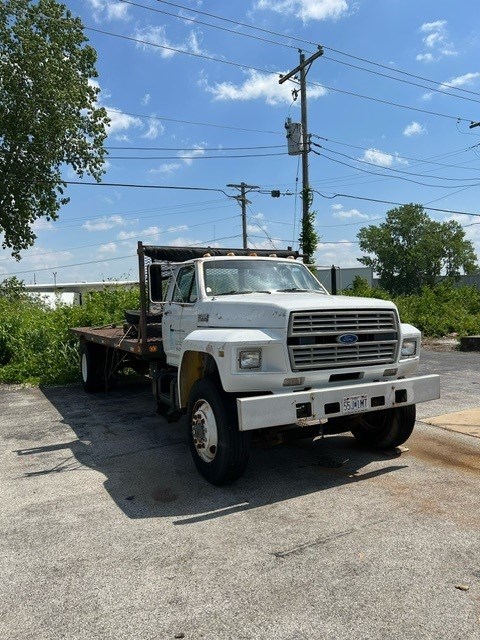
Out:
{"x": 36, "y": 346}
{"x": 436, "y": 311}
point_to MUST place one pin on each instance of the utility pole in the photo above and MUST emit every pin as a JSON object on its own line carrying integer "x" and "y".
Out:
{"x": 302, "y": 68}
{"x": 242, "y": 200}
{"x": 54, "y": 279}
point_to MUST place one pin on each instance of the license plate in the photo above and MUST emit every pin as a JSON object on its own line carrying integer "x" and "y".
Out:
{"x": 352, "y": 404}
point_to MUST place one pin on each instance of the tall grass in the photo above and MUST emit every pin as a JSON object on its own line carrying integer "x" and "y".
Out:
{"x": 36, "y": 346}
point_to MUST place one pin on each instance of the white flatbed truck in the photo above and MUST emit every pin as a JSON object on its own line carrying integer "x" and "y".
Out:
{"x": 242, "y": 340}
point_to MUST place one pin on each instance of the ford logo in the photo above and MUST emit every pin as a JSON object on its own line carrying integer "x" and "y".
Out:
{"x": 347, "y": 338}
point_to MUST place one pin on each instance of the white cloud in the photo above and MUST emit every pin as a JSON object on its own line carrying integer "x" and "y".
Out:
{"x": 257, "y": 86}
{"x": 438, "y": 25}
{"x": 121, "y": 121}
{"x": 180, "y": 227}
{"x": 42, "y": 224}
{"x": 424, "y": 57}
{"x": 104, "y": 224}
{"x": 198, "y": 150}
{"x": 339, "y": 254}
{"x": 110, "y": 9}
{"x": 435, "y": 41}
{"x": 350, "y": 214}
{"x": 146, "y": 99}
{"x": 308, "y": 9}
{"x": 109, "y": 247}
{"x": 155, "y": 127}
{"x": 166, "y": 168}
{"x": 150, "y": 232}
{"x": 157, "y": 36}
{"x": 472, "y": 232}
{"x": 337, "y": 207}
{"x": 378, "y": 157}
{"x": 461, "y": 81}
{"x": 182, "y": 241}
{"x": 414, "y": 129}
{"x": 39, "y": 258}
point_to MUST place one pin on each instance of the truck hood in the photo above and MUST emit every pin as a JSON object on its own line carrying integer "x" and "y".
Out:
{"x": 257, "y": 310}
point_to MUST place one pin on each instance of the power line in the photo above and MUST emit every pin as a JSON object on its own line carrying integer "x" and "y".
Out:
{"x": 402, "y": 157}
{"x": 144, "y": 235}
{"x": 202, "y": 56}
{"x": 134, "y": 186}
{"x": 390, "y": 103}
{"x": 267, "y": 72}
{"x": 218, "y": 148}
{"x": 415, "y": 84}
{"x": 310, "y": 42}
{"x": 198, "y": 157}
{"x": 408, "y": 173}
{"x": 396, "y": 204}
{"x": 81, "y": 264}
{"x": 207, "y": 24}
{"x": 377, "y": 173}
{"x": 194, "y": 122}
{"x": 107, "y": 218}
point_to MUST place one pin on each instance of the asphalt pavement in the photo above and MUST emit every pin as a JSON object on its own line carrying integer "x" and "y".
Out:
{"x": 108, "y": 531}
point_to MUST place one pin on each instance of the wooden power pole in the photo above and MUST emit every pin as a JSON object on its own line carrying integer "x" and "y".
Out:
{"x": 303, "y": 70}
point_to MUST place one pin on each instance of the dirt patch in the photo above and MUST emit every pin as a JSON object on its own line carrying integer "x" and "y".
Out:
{"x": 448, "y": 343}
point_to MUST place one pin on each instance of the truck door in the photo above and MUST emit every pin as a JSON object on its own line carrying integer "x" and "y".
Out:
{"x": 180, "y": 313}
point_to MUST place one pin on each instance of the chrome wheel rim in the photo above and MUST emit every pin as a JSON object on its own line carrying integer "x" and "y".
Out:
{"x": 204, "y": 431}
{"x": 84, "y": 367}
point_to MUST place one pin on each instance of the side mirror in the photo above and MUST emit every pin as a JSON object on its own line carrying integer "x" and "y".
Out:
{"x": 155, "y": 282}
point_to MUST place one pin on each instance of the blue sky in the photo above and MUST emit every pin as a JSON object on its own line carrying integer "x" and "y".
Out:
{"x": 179, "y": 118}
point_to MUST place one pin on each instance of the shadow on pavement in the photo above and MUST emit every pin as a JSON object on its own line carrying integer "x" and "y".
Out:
{"x": 148, "y": 468}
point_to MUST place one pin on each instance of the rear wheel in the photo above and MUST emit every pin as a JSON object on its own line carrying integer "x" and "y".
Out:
{"x": 220, "y": 451}
{"x": 387, "y": 428}
{"x": 97, "y": 367}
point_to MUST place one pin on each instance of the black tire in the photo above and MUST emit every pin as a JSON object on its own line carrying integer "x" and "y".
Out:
{"x": 224, "y": 459}
{"x": 387, "y": 428}
{"x": 97, "y": 367}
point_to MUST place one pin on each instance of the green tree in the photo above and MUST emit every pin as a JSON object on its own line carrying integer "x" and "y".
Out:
{"x": 12, "y": 289}
{"x": 308, "y": 236}
{"x": 410, "y": 250}
{"x": 49, "y": 116}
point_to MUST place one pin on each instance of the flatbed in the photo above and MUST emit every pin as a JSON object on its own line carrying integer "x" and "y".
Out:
{"x": 124, "y": 339}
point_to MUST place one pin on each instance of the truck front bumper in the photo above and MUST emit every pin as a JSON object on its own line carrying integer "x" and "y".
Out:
{"x": 317, "y": 405}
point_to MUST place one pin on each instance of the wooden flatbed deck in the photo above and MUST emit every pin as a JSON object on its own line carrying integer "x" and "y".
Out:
{"x": 115, "y": 337}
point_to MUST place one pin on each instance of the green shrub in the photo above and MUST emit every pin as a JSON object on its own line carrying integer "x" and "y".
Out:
{"x": 36, "y": 345}
{"x": 436, "y": 311}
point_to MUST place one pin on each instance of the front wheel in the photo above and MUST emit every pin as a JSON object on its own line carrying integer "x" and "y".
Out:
{"x": 220, "y": 451}
{"x": 387, "y": 428}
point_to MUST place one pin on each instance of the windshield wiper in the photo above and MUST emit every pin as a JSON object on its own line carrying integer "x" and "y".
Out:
{"x": 239, "y": 293}
{"x": 296, "y": 289}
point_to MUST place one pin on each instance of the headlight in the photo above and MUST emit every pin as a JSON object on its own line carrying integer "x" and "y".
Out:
{"x": 409, "y": 348}
{"x": 251, "y": 359}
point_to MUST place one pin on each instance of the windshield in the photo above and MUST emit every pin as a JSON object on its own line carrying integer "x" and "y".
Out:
{"x": 230, "y": 277}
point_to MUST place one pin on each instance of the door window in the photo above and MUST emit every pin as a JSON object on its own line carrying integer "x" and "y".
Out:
{"x": 185, "y": 286}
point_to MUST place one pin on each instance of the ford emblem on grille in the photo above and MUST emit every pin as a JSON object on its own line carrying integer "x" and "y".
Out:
{"x": 347, "y": 338}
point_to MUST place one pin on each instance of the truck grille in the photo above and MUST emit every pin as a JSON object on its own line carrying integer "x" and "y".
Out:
{"x": 313, "y": 339}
